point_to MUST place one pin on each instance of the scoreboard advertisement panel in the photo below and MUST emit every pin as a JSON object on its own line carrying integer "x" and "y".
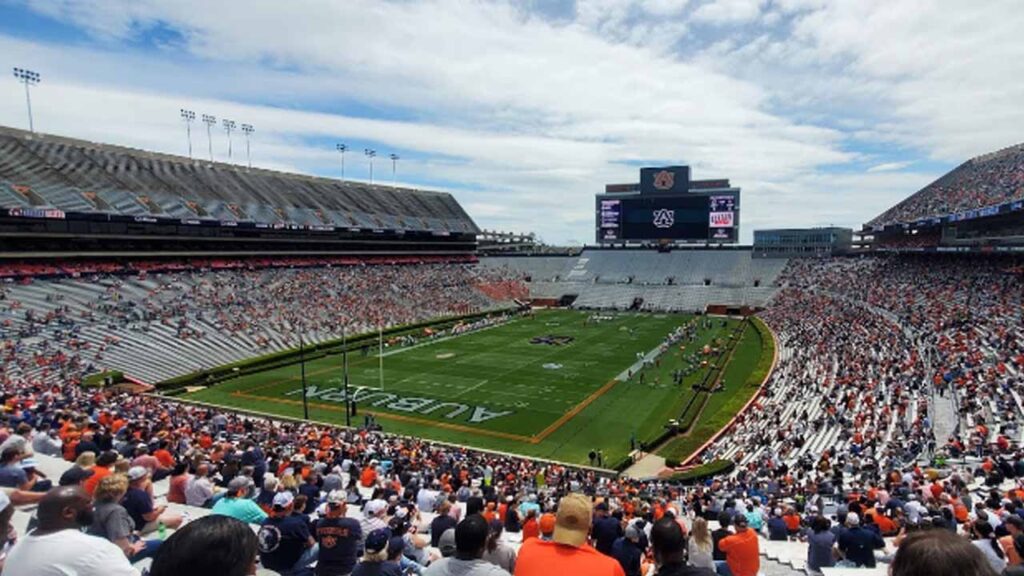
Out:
{"x": 690, "y": 217}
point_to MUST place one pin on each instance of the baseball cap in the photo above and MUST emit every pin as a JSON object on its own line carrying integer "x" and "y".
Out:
{"x": 283, "y": 499}
{"x": 137, "y": 473}
{"x": 374, "y": 507}
{"x": 107, "y": 458}
{"x": 28, "y": 463}
{"x": 547, "y": 523}
{"x": 337, "y": 497}
{"x": 572, "y": 524}
{"x": 378, "y": 539}
{"x": 447, "y": 542}
{"x": 239, "y": 482}
{"x": 74, "y": 475}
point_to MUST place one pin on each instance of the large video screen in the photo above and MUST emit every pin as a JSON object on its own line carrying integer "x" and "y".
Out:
{"x": 689, "y": 218}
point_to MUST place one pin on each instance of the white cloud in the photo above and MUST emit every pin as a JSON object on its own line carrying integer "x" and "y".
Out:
{"x": 729, "y": 11}
{"x": 889, "y": 166}
{"x": 530, "y": 117}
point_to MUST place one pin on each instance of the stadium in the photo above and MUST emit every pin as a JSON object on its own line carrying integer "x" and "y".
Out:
{"x": 342, "y": 372}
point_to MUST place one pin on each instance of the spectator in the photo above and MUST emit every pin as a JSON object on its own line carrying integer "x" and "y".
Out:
{"x": 820, "y": 545}
{"x": 724, "y": 520}
{"x": 139, "y": 503}
{"x": 375, "y": 559}
{"x": 214, "y": 545}
{"x": 777, "y": 529}
{"x": 741, "y": 549}
{"x": 939, "y": 553}
{"x": 568, "y": 552}
{"x": 75, "y": 476}
{"x": 984, "y": 538}
{"x": 669, "y": 544}
{"x": 1018, "y": 545}
{"x": 237, "y": 502}
{"x": 285, "y": 544}
{"x": 199, "y": 490}
{"x": 58, "y": 540}
{"x": 628, "y": 552}
{"x": 1014, "y": 526}
{"x": 338, "y": 538}
{"x": 606, "y": 529}
{"x": 471, "y": 537}
{"x": 546, "y": 526}
{"x": 47, "y": 441}
{"x": 700, "y": 545}
{"x": 179, "y": 480}
{"x": 857, "y": 544}
{"x": 114, "y": 523}
{"x": 105, "y": 463}
{"x": 442, "y": 522}
{"x": 497, "y": 552}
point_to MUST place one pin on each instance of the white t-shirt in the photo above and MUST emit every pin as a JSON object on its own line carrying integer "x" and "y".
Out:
{"x": 67, "y": 553}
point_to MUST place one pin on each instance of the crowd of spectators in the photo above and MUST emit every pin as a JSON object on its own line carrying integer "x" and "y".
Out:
{"x": 988, "y": 180}
{"x": 867, "y": 344}
{"x": 68, "y": 327}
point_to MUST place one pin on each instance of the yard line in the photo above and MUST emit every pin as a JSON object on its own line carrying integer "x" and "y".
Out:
{"x": 471, "y": 388}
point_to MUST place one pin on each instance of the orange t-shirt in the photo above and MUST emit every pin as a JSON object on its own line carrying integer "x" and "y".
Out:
{"x": 741, "y": 553}
{"x": 369, "y": 477}
{"x": 530, "y": 529}
{"x": 792, "y": 522}
{"x": 540, "y": 558}
{"x": 99, "y": 472}
{"x": 1012, "y": 558}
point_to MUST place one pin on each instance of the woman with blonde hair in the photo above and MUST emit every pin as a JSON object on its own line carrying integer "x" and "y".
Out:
{"x": 700, "y": 545}
{"x": 112, "y": 521}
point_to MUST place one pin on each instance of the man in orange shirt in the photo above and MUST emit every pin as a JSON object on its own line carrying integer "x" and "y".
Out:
{"x": 568, "y": 552}
{"x": 741, "y": 549}
{"x": 368, "y": 478}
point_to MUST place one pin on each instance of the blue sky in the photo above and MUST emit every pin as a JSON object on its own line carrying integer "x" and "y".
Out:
{"x": 823, "y": 112}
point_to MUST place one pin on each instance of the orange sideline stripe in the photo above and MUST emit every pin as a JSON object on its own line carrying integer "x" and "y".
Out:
{"x": 576, "y": 410}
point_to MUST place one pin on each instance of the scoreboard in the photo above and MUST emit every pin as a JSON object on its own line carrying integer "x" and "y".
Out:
{"x": 711, "y": 216}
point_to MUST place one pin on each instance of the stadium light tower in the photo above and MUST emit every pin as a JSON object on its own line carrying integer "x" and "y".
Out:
{"x": 394, "y": 162}
{"x": 209, "y": 121}
{"x": 370, "y": 154}
{"x": 28, "y": 78}
{"x": 341, "y": 148}
{"x": 188, "y": 116}
{"x": 229, "y": 125}
{"x": 248, "y": 129}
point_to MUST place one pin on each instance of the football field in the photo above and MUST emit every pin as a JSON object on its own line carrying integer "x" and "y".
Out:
{"x": 553, "y": 385}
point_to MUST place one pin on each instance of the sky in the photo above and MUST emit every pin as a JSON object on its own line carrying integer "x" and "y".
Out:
{"x": 823, "y": 112}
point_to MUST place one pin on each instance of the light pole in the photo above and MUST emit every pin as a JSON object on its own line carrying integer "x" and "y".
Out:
{"x": 341, "y": 148}
{"x": 229, "y": 125}
{"x": 370, "y": 154}
{"x": 394, "y": 161}
{"x": 209, "y": 121}
{"x": 248, "y": 129}
{"x": 27, "y": 77}
{"x": 188, "y": 116}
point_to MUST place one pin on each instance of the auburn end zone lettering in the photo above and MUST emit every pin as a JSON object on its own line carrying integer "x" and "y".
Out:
{"x": 415, "y": 405}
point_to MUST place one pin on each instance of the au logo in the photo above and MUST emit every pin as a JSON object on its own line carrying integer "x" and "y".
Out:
{"x": 664, "y": 180}
{"x": 664, "y": 218}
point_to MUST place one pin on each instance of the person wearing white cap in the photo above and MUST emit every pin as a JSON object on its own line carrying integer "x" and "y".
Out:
{"x": 139, "y": 504}
{"x": 285, "y": 544}
{"x": 338, "y": 537}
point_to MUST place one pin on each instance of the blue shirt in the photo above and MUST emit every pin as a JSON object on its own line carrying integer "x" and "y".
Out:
{"x": 282, "y": 542}
{"x": 859, "y": 545}
{"x": 137, "y": 502}
{"x": 339, "y": 545}
{"x": 240, "y": 509}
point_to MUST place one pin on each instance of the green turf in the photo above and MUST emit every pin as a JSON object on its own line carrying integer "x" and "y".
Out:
{"x": 499, "y": 371}
{"x": 722, "y": 406}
